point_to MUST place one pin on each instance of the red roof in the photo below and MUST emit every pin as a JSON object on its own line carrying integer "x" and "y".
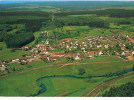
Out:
{"x": 66, "y": 39}
{"x": 45, "y": 51}
{"x": 69, "y": 54}
{"x": 59, "y": 53}
{"x": 15, "y": 58}
{"x": 52, "y": 58}
{"x": 90, "y": 52}
{"x": 26, "y": 46}
{"x": 44, "y": 57}
{"x": 32, "y": 54}
{"x": 99, "y": 51}
{"x": 131, "y": 38}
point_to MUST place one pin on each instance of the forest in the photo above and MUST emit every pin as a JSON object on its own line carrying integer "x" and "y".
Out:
{"x": 15, "y": 36}
{"x": 125, "y": 90}
{"x": 35, "y": 20}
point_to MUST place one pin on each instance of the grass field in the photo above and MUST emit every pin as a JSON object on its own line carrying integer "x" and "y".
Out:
{"x": 17, "y": 54}
{"x": 75, "y": 28}
{"x": 22, "y": 84}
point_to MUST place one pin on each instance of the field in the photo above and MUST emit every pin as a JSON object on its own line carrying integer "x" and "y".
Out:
{"x": 23, "y": 83}
{"x": 11, "y": 53}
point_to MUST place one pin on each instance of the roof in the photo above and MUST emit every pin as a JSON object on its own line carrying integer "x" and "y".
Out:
{"x": 15, "y": 58}
{"x": 33, "y": 55}
{"x": 66, "y": 39}
{"x": 132, "y": 39}
{"x": 52, "y": 58}
{"x": 26, "y": 46}
{"x": 69, "y": 54}
{"x": 59, "y": 53}
{"x": 99, "y": 51}
{"x": 44, "y": 57}
{"x": 90, "y": 52}
{"x": 44, "y": 51}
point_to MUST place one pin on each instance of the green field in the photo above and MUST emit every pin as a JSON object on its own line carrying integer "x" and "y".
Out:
{"x": 11, "y": 54}
{"x": 22, "y": 84}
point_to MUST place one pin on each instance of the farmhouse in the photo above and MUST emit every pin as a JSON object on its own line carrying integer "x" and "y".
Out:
{"x": 77, "y": 57}
{"x": 100, "y": 52}
{"x": 15, "y": 59}
{"x": 91, "y": 54}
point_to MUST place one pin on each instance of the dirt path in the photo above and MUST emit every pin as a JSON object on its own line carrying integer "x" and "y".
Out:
{"x": 95, "y": 90}
{"x": 63, "y": 94}
{"x": 76, "y": 63}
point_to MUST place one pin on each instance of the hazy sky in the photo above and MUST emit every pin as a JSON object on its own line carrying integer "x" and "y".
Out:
{"x": 66, "y": 0}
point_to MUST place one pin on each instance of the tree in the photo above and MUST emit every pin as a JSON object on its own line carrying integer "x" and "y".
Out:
{"x": 81, "y": 71}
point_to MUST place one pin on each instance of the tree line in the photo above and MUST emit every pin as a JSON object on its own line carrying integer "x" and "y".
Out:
{"x": 119, "y": 13}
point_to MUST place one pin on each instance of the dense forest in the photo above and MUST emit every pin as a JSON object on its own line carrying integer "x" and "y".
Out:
{"x": 62, "y": 5}
{"x": 120, "y": 13}
{"x": 125, "y": 90}
{"x": 14, "y": 35}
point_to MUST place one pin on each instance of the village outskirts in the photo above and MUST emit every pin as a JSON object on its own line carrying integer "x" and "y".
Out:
{"x": 75, "y": 49}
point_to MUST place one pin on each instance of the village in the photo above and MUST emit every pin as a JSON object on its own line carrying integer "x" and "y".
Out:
{"x": 75, "y": 49}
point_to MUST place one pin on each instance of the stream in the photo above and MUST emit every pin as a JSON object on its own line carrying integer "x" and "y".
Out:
{"x": 44, "y": 88}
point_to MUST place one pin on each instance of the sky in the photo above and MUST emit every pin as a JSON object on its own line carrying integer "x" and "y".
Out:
{"x": 58, "y": 0}
{"x": 66, "y": 0}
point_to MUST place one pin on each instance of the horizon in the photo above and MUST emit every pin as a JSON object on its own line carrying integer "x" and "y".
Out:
{"x": 23, "y": 1}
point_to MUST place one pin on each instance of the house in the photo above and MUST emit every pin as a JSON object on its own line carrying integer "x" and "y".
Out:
{"x": 15, "y": 60}
{"x": 76, "y": 57}
{"x": 33, "y": 55}
{"x": 123, "y": 53}
{"x": 66, "y": 40}
{"x": 133, "y": 53}
{"x": 47, "y": 42}
{"x": 69, "y": 54}
{"x": 53, "y": 58}
{"x": 44, "y": 52}
{"x": 26, "y": 47}
{"x": 117, "y": 53}
{"x": 60, "y": 54}
{"x": 45, "y": 58}
{"x": 91, "y": 54}
{"x": 100, "y": 52}
{"x": 2, "y": 68}
{"x": 99, "y": 46}
{"x": 106, "y": 46}
{"x": 24, "y": 61}
{"x": 130, "y": 38}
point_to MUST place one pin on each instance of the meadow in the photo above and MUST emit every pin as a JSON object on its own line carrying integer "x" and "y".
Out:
{"x": 22, "y": 84}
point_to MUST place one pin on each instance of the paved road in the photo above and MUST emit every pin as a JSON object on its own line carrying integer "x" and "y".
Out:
{"x": 98, "y": 88}
{"x": 76, "y": 63}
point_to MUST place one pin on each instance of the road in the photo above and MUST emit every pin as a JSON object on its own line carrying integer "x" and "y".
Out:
{"x": 75, "y": 63}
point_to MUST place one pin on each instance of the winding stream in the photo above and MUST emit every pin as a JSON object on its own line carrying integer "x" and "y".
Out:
{"x": 44, "y": 88}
